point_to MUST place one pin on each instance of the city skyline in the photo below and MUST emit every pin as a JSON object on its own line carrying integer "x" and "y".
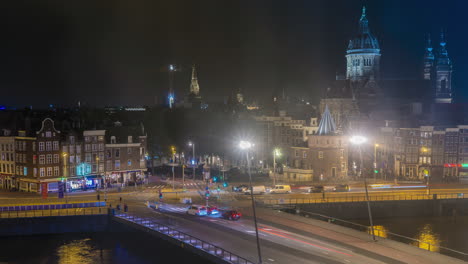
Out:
{"x": 120, "y": 56}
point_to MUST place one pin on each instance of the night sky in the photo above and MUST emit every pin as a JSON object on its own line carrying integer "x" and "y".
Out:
{"x": 115, "y": 52}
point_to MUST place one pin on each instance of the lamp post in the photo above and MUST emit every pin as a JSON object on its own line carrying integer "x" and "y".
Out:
{"x": 375, "y": 162}
{"x": 191, "y": 144}
{"x": 65, "y": 155}
{"x": 424, "y": 150}
{"x": 246, "y": 146}
{"x": 173, "y": 150}
{"x": 276, "y": 153}
{"x": 358, "y": 141}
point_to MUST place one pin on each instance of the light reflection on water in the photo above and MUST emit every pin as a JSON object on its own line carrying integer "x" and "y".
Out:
{"x": 79, "y": 251}
{"x": 429, "y": 240}
{"x": 379, "y": 231}
{"x": 94, "y": 248}
{"x": 447, "y": 232}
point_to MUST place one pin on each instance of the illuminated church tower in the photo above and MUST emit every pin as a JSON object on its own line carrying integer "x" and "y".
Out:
{"x": 428, "y": 73}
{"x": 363, "y": 54}
{"x": 443, "y": 81}
{"x": 194, "y": 87}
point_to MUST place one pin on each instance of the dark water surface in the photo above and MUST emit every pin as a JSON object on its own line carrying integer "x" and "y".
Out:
{"x": 95, "y": 248}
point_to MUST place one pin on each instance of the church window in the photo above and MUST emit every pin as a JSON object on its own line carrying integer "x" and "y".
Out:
{"x": 443, "y": 85}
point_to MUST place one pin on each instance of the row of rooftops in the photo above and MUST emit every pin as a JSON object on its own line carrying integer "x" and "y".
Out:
{"x": 118, "y": 132}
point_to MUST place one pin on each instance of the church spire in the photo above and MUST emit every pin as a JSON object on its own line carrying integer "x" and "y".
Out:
{"x": 194, "y": 87}
{"x": 443, "y": 50}
{"x": 428, "y": 59}
{"x": 363, "y": 22}
{"x": 327, "y": 124}
{"x": 443, "y": 73}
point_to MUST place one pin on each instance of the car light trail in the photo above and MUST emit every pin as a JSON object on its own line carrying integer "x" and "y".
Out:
{"x": 304, "y": 242}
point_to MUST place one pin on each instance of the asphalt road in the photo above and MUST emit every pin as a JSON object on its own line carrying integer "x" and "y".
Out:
{"x": 278, "y": 245}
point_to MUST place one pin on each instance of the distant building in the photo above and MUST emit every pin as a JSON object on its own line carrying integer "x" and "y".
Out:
{"x": 125, "y": 155}
{"x": 328, "y": 150}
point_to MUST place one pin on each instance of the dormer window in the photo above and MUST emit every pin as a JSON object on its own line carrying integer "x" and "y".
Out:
{"x": 130, "y": 139}
{"x": 112, "y": 139}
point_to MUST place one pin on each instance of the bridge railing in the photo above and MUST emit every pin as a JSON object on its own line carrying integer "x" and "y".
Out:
{"x": 53, "y": 212}
{"x": 208, "y": 247}
{"x": 384, "y": 234}
{"x": 361, "y": 198}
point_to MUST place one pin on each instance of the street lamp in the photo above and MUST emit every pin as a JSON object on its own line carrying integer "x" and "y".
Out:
{"x": 65, "y": 155}
{"x": 173, "y": 150}
{"x": 358, "y": 141}
{"x": 246, "y": 146}
{"x": 276, "y": 153}
{"x": 375, "y": 162}
{"x": 191, "y": 144}
{"x": 426, "y": 174}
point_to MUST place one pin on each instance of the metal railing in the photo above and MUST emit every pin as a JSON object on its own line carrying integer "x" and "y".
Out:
{"x": 53, "y": 212}
{"x": 185, "y": 238}
{"x": 361, "y": 198}
{"x": 384, "y": 234}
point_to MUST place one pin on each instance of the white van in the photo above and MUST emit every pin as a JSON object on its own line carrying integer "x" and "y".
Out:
{"x": 281, "y": 189}
{"x": 256, "y": 190}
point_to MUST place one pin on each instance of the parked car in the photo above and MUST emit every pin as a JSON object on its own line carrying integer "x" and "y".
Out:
{"x": 231, "y": 215}
{"x": 342, "y": 188}
{"x": 316, "y": 189}
{"x": 281, "y": 189}
{"x": 210, "y": 210}
{"x": 196, "y": 210}
{"x": 256, "y": 190}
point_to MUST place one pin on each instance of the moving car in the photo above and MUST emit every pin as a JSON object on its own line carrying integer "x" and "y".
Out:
{"x": 196, "y": 210}
{"x": 231, "y": 215}
{"x": 212, "y": 210}
{"x": 240, "y": 188}
{"x": 342, "y": 188}
{"x": 256, "y": 190}
{"x": 281, "y": 189}
{"x": 316, "y": 189}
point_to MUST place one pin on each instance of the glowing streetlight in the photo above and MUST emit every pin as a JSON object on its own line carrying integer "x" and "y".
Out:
{"x": 375, "y": 162}
{"x": 173, "y": 151}
{"x": 276, "y": 153}
{"x": 246, "y": 146}
{"x": 358, "y": 141}
{"x": 65, "y": 155}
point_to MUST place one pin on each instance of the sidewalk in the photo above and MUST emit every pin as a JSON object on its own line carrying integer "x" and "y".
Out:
{"x": 355, "y": 240}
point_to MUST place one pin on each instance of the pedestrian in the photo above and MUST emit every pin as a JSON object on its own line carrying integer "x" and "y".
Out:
{"x": 323, "y": 194}
{"x": 125, "y": 208}
{"x": 98, "y": 197}
{"x": 118, "y": 207}
{"x": 110, "y": 205}
{"x": 121, "y": 199}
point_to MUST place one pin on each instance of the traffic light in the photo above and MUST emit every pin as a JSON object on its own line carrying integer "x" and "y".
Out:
{"x": 215, "y": 179}
{"x": 225, "y": 184}
{"x": 160, "y": 195}
{"x": 376, "y": 171}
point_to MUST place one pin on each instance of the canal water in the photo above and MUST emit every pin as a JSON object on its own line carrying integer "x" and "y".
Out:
{"x": 95, "y": 248}
{"x": 450, "y": 232}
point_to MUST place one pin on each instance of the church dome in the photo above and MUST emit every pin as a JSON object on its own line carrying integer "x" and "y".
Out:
{"x": 364, "y": 40}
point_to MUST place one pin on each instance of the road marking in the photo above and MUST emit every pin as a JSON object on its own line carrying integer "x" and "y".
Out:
{"x": 347, "y": 260}
{"x": 272, "y": 260}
